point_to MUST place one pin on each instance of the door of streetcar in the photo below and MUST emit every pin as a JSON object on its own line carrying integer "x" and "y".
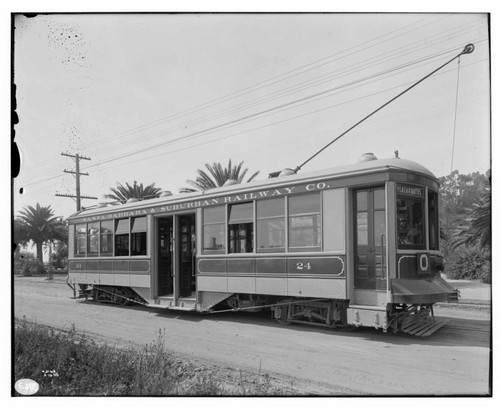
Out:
{"x": 187, "y": 252}
{"x": 165, "y": 256}
{"x": 369, "y": 239}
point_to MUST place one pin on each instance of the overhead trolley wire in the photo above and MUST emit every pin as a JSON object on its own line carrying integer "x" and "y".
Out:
{"x": 231, "y": 122}
{"x": 264, "y": 126}
{"x": 284, "y": 91}
{"x": 203, "y": 131}
{"x": 246, "y": 131}
{"x": 273, "y": 80}
{"x": 265, "y": 99}
{"x": 469, "y": 48}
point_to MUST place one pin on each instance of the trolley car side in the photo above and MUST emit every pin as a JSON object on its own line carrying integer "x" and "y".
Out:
{"x": 356, "y": 245}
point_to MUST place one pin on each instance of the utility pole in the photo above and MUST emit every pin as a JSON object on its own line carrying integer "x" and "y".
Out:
{"x": 77, "y": 174}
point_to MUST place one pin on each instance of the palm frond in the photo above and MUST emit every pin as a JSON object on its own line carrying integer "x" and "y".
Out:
{"x": 122, "y": 193}
{"x": 215, "y": 175}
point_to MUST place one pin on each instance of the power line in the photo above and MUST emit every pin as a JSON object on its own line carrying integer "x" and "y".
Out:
{"x": 255, "y": 128}
{"x": 284, "y": 91}
{"x": 272, "y": 124}
{"x": 261, "y": 84}
{"x": 272, "y": 80}
{"x": 233, "y": 109}
{"x": 469, "y": 48}
{"x": 246, "y": 118}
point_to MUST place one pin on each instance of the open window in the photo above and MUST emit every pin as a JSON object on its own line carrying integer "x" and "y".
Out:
{"x": 122, "y": 237}
{"x": 138, "y": 236}
{"x": 240, "y": 228}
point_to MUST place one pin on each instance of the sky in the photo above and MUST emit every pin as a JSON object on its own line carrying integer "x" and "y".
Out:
{"x": 153, "y": 97}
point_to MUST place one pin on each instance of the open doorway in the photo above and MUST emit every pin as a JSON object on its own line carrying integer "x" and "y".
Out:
{"x": 187, "y": 255}
{"x": 165, "y": 256}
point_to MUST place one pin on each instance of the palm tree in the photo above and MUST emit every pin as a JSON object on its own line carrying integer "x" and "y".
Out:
{"x": 477, "y": 227}
{"x": 123, "y": 193}
{"x": 217, "y": 176}
{"x": 39, "y": 225}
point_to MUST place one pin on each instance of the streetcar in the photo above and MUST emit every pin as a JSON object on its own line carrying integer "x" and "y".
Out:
{"x": 352, "y": 246}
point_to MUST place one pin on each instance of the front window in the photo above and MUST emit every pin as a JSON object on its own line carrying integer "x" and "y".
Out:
{"x": 304, "y": 222}
{"x": 410, "y": 217}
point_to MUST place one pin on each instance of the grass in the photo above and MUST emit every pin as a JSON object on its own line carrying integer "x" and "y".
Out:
{"x": 65, "y": 363}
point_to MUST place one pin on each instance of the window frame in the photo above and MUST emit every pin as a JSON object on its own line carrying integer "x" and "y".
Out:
{"x": 433, "y": 220}
{"x": 317, "y": 230}
{"x": 95, "y": 236}
{"x": 282, "y": 217}
{"x": 423, "y": 205}
{"x": 118, "y": 238}
{"x": 141, "y": 235}
{"x": 81, "y": 235}
{"x": 222, "y": 223}
{"x": 109, "y": 233}
{"x": 236, "y": 227}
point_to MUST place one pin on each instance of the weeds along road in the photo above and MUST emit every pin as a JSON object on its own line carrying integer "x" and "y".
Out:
{"x": 454, "y": 361}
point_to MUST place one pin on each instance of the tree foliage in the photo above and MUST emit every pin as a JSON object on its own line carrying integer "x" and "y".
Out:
{"x": 138, "y": 191}
{"x": 458, "y": 193}
{"x": 466, "y": 219}
{"x": 476, "y": 228}
{"x": 216, "y": 175}
{"x": 39, "y": 225}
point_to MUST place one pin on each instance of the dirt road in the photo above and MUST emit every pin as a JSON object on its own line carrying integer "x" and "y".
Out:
{"x": 454, "y": 361}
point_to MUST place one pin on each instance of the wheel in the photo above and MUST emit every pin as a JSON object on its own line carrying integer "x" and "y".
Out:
{"x": 281, "y": 315}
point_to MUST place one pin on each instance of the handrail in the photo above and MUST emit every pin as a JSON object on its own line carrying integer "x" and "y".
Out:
{"x": 383, "y": 264}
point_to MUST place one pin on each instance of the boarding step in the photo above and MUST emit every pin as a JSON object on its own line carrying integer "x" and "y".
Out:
{"x": 422, "y": 327}
{"x": 185, "y": 304}
{"x": 367, "y": 315}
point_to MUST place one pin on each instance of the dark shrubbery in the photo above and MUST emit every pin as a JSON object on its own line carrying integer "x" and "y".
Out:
{"x": 468, "y": 263}
{"x": 69, "y": 364}
{"x": 24, "y": 262}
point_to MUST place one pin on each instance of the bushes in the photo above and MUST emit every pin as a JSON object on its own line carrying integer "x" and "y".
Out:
{"x": 24, "y": 262}
{"x": 68, "y": 364}
{"x": 468, "y": 263}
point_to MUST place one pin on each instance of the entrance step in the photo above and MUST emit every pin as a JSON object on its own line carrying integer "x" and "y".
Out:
{"x": 185, "y": 304}
{"x": 423, "y": 327}
{"x": 369, "y": 316}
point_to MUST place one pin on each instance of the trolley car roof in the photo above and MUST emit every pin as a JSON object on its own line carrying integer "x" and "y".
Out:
{"x": 273, "y": 184}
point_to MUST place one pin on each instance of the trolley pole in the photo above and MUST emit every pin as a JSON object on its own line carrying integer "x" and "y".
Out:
{"x": 77, "y": 175}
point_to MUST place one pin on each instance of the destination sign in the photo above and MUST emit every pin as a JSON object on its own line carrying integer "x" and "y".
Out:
{"x": 409, "y": 190}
